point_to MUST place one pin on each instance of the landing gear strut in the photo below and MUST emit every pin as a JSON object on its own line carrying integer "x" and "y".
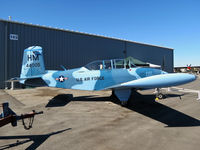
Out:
{"x": 123, "y": 96}
{"x": 124, "y": 103}
{"x": 159, "y": 94}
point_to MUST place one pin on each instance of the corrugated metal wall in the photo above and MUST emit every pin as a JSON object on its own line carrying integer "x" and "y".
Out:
{"x": 152, "y": 54}
{"x": 69, "y": 48}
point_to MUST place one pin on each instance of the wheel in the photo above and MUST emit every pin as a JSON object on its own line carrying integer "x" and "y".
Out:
{"x": 124, "y": 103}
{"x": 160, "y": 96}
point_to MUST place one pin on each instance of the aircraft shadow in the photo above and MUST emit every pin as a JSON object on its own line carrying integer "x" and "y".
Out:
{"x": 143, "y": 104}
{"x": 36, "y": 139}
{"x": 175, "y": 95}
{"x": 60, "y": 100}
{"x": 63, "y": 99}
{"x": 146, "y": 105}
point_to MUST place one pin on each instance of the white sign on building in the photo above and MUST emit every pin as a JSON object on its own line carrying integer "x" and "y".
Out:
{"x": 13, "y": 37}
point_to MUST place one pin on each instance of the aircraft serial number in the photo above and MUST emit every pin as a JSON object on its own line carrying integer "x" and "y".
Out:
{"x": 33, "y": 65}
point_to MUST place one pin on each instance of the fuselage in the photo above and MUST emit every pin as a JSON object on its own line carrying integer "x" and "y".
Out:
{"x": 114, "y": 74}
{"x": 84, "y": 79}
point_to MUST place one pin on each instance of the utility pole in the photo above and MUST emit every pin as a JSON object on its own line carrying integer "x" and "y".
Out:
{"x": 6, "y": 55}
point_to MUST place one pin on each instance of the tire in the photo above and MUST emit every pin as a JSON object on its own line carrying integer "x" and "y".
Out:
{"x": 160, "y": 96}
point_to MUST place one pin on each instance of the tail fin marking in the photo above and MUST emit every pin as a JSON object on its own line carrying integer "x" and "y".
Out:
{"x": 33, "y": 63}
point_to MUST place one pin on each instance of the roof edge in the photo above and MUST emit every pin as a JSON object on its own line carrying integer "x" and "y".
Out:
{"x": 84, "y": 33}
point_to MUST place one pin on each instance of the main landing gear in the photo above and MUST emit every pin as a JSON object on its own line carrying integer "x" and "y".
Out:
{"x": 123, "y": 95}
{"x": 124, "y": 103}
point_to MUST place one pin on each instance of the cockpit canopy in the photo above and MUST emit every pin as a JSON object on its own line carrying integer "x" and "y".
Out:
{"x": 109, "y": 64}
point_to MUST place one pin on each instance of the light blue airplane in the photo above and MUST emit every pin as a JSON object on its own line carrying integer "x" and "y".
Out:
{"x": 118, "y": 75}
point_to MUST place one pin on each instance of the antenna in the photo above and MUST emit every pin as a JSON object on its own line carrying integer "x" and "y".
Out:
{"x": 9, "y": 17}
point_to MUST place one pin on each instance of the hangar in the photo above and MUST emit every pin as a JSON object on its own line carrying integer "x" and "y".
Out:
{"x": 69, "y": 48}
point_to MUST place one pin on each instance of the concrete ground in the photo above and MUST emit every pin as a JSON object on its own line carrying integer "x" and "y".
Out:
{"x": 79, "y": 120}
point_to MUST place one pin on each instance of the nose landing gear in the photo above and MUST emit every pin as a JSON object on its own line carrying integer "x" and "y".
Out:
{"x": 159, "y": 94}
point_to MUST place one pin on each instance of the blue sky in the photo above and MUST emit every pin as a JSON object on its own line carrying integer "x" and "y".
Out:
{"x": 169, "y": 23}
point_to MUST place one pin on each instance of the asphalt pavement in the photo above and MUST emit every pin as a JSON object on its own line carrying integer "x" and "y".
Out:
{"x": 83, "y": 120}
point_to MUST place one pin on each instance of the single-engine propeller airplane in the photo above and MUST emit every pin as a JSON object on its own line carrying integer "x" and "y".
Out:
{"x": 118, "y": 75}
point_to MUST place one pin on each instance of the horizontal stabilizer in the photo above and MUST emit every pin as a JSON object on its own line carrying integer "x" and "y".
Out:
{"x": 15, "y": 79}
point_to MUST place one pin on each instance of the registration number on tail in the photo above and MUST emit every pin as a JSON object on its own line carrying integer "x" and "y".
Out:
{"x": 33, "y": 65}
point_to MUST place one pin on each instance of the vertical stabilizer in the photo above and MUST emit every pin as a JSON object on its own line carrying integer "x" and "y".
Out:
{"x": 33, "y": 63}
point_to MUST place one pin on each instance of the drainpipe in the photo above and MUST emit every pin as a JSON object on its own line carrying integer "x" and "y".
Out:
{"x": 6, "y": 55}
{"x": 125, "y": 49}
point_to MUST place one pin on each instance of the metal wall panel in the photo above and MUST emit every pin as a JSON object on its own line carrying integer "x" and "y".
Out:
{"x": 60, "y": 47}
{"x": 152, "y": 54}
{"x": 71, "y": 49}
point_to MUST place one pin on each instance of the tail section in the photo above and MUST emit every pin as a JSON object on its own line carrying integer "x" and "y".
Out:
{"x": 33, "y": 63}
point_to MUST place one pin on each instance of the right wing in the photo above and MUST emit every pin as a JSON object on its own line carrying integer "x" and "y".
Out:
{"x": 156, "y": 81}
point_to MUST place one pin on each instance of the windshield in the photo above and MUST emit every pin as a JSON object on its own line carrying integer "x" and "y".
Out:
{"x": 119, "y": 63}
{"x": 110, "y": 64}
{"x": 107, "y": 64}
{"x": 95, "y": 65}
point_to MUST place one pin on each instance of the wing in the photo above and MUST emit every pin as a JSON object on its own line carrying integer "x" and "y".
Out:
{"x": 156, "y": 81}
{"x": 123, "y": 90}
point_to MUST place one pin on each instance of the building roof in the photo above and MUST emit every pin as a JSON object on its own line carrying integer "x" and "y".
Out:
{"x": 66, "y": 30}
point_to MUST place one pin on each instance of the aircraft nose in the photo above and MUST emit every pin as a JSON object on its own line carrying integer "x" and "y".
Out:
{"x": 190, "y": 77}
{"x": 195, "y": 77}
{"x": 180, "y": 78}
